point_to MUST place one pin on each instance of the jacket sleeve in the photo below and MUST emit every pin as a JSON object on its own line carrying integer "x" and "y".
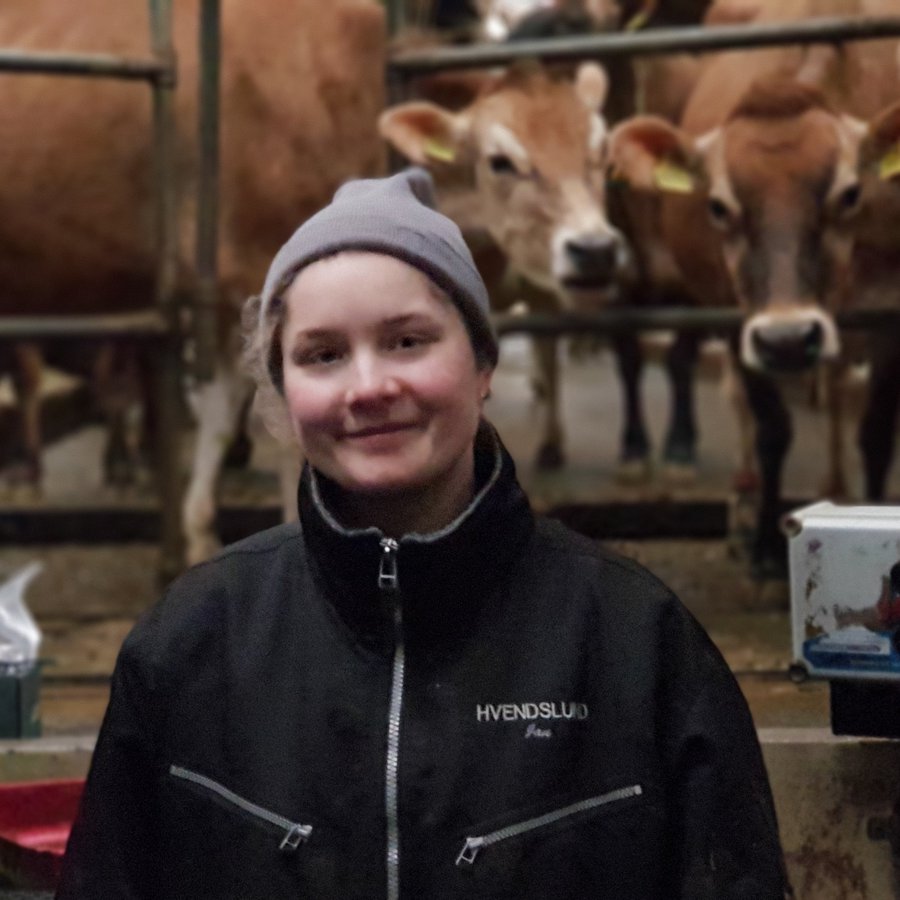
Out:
{"x": 726, "y": 840}
{"x": 110, "y": 854}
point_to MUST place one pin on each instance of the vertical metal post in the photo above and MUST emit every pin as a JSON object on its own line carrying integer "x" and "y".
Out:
{"x": 204, "y": 326}
{"x": 396, "y": 85}
{"x": 167, "y": 363}
{"x": 396, "y": 16}
{"x": 164, "y": 153}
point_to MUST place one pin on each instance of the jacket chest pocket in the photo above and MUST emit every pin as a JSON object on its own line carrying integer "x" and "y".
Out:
{"x": 563, "y": 816}
{"x": 568, "y": 851}
{"x": 288, "y": 834}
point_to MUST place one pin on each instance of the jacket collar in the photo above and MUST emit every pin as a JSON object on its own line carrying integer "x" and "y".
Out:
{"x": 444, "y": 577}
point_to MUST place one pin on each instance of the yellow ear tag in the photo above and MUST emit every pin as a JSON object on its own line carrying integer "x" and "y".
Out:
{"x": 642, "y": 16}
{"x": 439, "y": 151}
{"x": 889, "y": 164}
{"x": 671, "y": 177}
{"x": 638, "y": 21}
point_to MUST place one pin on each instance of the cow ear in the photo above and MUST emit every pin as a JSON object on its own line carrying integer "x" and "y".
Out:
{"x": 880, "y": 148}
{"x": 424, "y": 133}
{"x": 649, "y": 153}
{"x": 591, "y": 85}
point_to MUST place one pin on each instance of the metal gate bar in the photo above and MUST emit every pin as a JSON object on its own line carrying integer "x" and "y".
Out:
{"x": 206, "y": 295}
{"x": 675, "y": 318}
{"x": 692, "y": 39}
{"x": 703, "y": 517}
{"x": 97, "y": 65}
{"x": 148, "y": 323}
{"x": 167, "y": 368}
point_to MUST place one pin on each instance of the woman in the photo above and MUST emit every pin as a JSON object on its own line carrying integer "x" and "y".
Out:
{"x": 421, "y": 691}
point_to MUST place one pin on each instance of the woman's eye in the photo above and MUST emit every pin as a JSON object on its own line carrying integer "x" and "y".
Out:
{"x": 319, "y": 356}
{"x": 411, "y": 341}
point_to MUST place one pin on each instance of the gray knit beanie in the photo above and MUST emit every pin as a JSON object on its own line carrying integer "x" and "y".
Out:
{"x": 395, "y": 216}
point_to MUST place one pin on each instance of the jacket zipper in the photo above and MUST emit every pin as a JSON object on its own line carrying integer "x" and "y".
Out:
{"x": 389, "y": 586}
{"x": 294, "y": 833}
{"x": 474, "y": 844}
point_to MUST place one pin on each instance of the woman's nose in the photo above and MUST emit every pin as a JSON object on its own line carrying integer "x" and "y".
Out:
{"x": 371, "y": 381}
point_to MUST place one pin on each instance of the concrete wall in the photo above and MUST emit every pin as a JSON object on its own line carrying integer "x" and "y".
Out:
{"x": 827, "y": 790}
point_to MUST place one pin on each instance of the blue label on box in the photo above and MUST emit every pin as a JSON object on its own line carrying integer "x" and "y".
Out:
{"x": 855, "y": 649}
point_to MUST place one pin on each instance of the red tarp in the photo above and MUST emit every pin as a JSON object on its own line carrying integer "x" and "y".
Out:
{"x": 35, "y": 819}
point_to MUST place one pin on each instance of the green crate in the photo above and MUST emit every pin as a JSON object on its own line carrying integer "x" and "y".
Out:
{"x": 20, "y": 714}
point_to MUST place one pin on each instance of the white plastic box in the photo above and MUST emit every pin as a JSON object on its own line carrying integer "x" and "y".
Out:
{"x": 844, "y": 564}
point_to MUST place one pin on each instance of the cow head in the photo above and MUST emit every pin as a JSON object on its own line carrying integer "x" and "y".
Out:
{"x": 537, "y": 147}
{"x": 503, "y": 19}
{"x": 775, "y": 195}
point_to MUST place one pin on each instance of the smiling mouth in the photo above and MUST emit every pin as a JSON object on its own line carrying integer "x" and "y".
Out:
{"x": 377, "y": 431}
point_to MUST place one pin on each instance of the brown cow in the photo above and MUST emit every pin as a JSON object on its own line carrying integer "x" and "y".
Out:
{"x": 301, "y": 88}
{"x": 782, "y": 190}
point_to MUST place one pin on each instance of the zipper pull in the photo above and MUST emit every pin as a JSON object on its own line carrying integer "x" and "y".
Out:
{"x": 470, "y": 850}
{"x": 294, "y": 837}
{"x": 387, "y": 568}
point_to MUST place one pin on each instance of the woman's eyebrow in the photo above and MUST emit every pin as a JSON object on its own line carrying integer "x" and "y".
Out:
{"x": 316, "y": 334}
{"x": 407, "y": 318}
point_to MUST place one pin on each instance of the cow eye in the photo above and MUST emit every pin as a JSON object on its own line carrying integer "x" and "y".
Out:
{"x": 848, "y": 200}
{"x": 719, "y": 213}
{"x": 501, "y": 164}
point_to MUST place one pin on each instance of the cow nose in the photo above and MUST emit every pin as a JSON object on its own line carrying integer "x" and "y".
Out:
{"x": 593, "y": 258}
{"x": 789, "y": 346}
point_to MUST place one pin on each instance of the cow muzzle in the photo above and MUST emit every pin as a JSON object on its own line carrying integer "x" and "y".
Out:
{"x": 794, "y": 342}
{"x": 590, "y": 261}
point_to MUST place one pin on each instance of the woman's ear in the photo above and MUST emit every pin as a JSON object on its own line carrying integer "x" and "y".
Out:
{"x": 485, "y": 376}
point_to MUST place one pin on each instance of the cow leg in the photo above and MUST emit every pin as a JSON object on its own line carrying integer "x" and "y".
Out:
{"x": 149, "y": 443}
{"x": 27, "y": 375}
{"x": 746, "y": 476}
{"x": 550, "y": 453}
{"x": 835, "y": 483}
{"x": 115, "y": 379}
{"x": 879, "y": 422}
{"x": 217, "y": 406}
{"x": 743, "y": 504}
{"x": 240, "y": 450}
{"x": 773, "y": 439}
{"x": 680, "y": 451}
{"x": 634, "y": 453}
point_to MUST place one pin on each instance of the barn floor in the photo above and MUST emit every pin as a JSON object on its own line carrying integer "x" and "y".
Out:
{"x": 87, "y": 597}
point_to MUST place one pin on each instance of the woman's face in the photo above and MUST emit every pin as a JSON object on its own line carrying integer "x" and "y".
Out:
{"x": 380, "y": 378}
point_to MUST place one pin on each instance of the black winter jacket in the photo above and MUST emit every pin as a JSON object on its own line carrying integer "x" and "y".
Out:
{"x": 499, "y": 710}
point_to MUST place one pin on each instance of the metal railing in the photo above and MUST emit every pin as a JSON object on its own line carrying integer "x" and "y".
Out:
{"x": 159, "y": 324}
{"x": 673, "y": 318}
{"x": 655, "y": 41}
{"x": 206, "y": 294}
{"x": 96, "y": 65}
